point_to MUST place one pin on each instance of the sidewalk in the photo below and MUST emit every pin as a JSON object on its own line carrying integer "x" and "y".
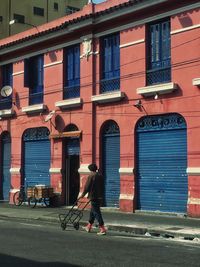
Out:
{"x": 149, "y": 224}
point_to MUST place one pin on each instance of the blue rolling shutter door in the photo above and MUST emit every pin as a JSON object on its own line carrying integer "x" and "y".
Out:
{"x": 37, "y": 162}
{"x": 6, "y": 166}
{"x": 161, "y": 170}
{"x": 111, "y": 165}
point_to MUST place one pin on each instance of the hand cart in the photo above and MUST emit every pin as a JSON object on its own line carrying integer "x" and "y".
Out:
{"x": 74, "y": 215}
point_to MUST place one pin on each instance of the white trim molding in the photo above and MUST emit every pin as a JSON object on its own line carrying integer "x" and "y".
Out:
{"x": 164, "y": 88}
{"x": 14, "y": 190}
{"x": 194, "y": 201}
{"x": 53, "y": 64}
{"x": 132, "y": 43}
{"x": 126, "y": 197}
{"x": 113, "y": 96}
{"x": 69, "y": 103}
{"x": 34, "y": 108}
{"x": 193, "y": 171}
{"x": 15, "y": 170}
{"x": 18, "y": 73}
{"x": 126, "y": 171}
{"x": 84, "y": 169}
{"x": 6, "y": 113}
{"x": 196, "y": 82}
{"x": 55, "y": 170}
{"x": 185, "y": 29}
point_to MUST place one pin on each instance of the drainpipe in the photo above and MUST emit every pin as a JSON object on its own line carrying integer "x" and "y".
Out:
{"x": 93, "y": 93}
{"x": 9, "y": 17}
{"x": 47, "y": 10}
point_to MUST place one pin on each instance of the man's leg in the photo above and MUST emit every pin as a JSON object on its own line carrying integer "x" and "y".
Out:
{"x": 97, "y": 212}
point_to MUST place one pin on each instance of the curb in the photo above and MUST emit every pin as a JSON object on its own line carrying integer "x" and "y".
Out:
{"x": 138, "y": 231}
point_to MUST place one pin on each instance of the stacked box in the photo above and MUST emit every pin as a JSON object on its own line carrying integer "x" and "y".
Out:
{"x": 41, "y": 192}
{"x": 30, "y": 191}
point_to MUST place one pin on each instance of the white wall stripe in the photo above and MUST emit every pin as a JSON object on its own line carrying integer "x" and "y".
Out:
{"x": 53, "y": 64}
{"x": 194, "y": 201}
{"x": 132, "y": 43}
{"x": 193, "y": 171}
{"x": 185, "y": 29}
{"x": 55, "y": 170}
{"x": 18, "y": 73}
{"x": 15, "y": 170}
{"x": 126, "y": 196}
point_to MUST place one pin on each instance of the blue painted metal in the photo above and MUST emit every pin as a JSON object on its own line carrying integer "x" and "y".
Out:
{"x": 6, "y": 164}
{"x": 72, "y": 72}
{"x": 110, "y": 73}
{"x": 34, "y": 78}
{"x": 37, "y": 156}
{"x": 162, "y": 182}
{"x": 7, "y": 79}
{"x": 111, "y": 164}
{"x": 159, "y": 60}
{"x": 73, "y": 146}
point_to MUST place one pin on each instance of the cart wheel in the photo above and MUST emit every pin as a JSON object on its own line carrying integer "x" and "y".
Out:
{"x": 76, "y": 225}
{"x": 63, "y": 226}
{"x": 18, "y": 198}
{"x": 32, "y": 201}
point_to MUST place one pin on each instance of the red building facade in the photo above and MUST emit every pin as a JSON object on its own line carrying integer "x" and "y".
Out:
{"x": 117, "y": 84}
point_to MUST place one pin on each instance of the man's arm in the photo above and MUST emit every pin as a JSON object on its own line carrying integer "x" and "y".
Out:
{"x": 87, "y": 186}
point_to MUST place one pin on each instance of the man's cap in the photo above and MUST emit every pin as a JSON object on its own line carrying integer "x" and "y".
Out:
{"x": 92, "y": 167}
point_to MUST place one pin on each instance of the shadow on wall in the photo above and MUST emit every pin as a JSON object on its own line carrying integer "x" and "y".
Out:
{"x": 185, "y": 20}
{"x": 10, "y": 261}
{"x": 59, "y": 122}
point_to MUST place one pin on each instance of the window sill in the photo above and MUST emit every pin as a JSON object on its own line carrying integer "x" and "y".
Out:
{"x": 164, "y": 88}
{"x": 108, "y": 97}
{"x": 69, "y": 103}
{"x": 196, "y": 81}
{"x": 6, "y": 113}
{"x": 34, "y": 108}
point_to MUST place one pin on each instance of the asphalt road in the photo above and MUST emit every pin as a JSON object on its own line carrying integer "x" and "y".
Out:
{"x": 28, "y": 244}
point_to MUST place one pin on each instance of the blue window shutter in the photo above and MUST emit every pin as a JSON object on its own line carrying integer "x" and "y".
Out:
{"x": 26, "y": 72}
{"x": 155, "y": 45}
{"x": 7, "y": 78}
{"x": 107, "y": 58}
{"x": 166, "y": 39}
{"x": 160, "y": 45}
{"x": 70, "y": 67}
{"x": 116, "y": 56}
{"x": 77, "y": 63}
{"x": 40, "y": 72}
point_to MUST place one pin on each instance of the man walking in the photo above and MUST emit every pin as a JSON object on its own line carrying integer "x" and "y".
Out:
{"x": 94, "y": 188}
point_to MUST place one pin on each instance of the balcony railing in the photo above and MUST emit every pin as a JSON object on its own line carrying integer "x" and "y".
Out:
{"x": 157, "y": 76}
{"x": 109, "y": 85}
{"x": 6, "y": 103}
{"x": 35, "y": 98}
{"x": 71, "y": 91}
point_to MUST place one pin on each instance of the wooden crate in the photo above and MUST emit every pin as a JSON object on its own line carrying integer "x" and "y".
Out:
{"x": 30, "y": 191}
{"x": 40, "y": 192}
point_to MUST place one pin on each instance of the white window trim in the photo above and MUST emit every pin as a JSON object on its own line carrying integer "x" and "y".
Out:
{"x": 6, "y": 113}
{"x": 108, "y": 97}
{"x": 164, "y": 88}
{"x": 69, "y": 103}
{"x": 34, "y": 108}
{"x": 196, "y": 81}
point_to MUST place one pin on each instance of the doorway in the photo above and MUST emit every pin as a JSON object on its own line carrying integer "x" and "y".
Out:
{"x": 72, "y": 179}
{"x": 71, "y": 166}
